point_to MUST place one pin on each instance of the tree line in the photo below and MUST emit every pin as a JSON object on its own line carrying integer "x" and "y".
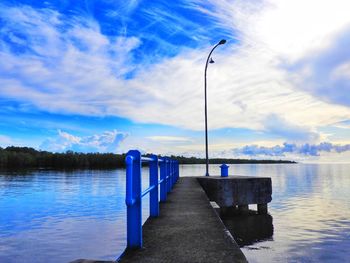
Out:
{"x": 195, "y": 160}
{"x": 25, "y": 157}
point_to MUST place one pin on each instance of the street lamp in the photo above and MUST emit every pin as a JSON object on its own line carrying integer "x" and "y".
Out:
{"x": 223, "y": 41}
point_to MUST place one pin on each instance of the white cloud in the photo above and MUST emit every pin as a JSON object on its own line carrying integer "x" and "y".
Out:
{"x": 108, "y": 141}
{"x": 325, "y": 74}
{"x": 278, "y": 126}
{"x": 341, "y": 71}
{"x": 169, "y": 139}
{"x": 65, "y": 65}
{"x": 290, "y": 149}
{"x": 245, "y": 87}
{"x": 345, "y": 126}
{"x": 307, "y": 39}
{"x": 77, "y": 69}
{"x": 284, "y": 28}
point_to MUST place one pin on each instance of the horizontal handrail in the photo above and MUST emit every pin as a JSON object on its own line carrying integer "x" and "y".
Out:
{"x": 167, "y": 168}
{"x": 149, "y": 189}
{"x": 146, "y": 159}
{"x": 161, "y": 181}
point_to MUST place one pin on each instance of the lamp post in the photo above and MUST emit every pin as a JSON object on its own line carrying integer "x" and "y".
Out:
{"x": 223, "y": 41}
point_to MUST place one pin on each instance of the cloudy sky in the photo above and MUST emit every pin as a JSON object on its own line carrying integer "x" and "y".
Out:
{"x": 109, "y": 76}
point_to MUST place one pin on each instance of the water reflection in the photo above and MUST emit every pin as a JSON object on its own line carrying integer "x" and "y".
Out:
{"x": 59, "y": 216}
{"x": 310, "y": 208}
{"x": 250, "y": 228}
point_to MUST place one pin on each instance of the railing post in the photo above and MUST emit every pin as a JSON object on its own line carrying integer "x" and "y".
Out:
{"x": 153, "y": 181}
{"x": 168, "y": 174}
{"x": 177, "y": 170}
{"x": 174, "y": 172}
{"x": 133, "y": 199}
{"x": 171, "y": 174}
{"x": 163, "y": 185}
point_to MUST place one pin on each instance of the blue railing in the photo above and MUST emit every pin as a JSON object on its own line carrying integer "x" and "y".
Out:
{"x": 169, "y": 174}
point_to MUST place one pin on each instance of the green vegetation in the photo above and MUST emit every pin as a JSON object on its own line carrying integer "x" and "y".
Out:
{"x": 194, "y": 160}
{"x": 24, "y": 157}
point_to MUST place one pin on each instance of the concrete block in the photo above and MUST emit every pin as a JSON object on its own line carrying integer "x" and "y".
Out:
{"x": 237, "y": 190}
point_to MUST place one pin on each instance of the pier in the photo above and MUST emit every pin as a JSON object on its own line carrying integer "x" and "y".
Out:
{"x": 236, "y": 193}
{"x": 187, "y": 230}
{"x": 184, "y": 223}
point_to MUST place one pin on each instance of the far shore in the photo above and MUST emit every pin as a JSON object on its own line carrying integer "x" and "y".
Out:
{"x": 25, "y": 157}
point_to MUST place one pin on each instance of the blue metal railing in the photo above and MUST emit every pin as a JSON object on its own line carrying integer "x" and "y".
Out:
{"x": 169, "y": 174}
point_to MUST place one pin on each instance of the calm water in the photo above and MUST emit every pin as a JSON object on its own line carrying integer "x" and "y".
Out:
{"x": 54, "y": 216}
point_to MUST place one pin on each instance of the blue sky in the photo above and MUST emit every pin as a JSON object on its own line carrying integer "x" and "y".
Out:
{"x": 109, "y": 76}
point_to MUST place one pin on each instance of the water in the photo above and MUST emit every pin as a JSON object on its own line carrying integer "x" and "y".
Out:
{"x": 309, "y": 217}
{"x": 56, "y": 216}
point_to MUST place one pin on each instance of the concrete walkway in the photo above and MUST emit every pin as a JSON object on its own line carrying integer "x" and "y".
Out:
{"x": 187, "y": 230}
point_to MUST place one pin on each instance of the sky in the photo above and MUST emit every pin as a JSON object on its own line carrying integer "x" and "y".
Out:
{"x": 109, "y": 76}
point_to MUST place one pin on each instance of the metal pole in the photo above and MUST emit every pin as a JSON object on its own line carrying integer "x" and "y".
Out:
{"x": 153, "y": 181}
{"x": 223, "y": 41}
{"x": 133, "y": 199}
{"x": 163, "y": 189}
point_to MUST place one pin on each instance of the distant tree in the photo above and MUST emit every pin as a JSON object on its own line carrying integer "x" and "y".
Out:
{"x": 25, "y": 157}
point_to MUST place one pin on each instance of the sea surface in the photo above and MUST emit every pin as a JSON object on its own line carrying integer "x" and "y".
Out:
{"x": 60, "y": 216}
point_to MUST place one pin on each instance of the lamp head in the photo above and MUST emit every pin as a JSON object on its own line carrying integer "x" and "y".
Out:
{"x": 222, "y": 41}
{"x": 211, "y": 61}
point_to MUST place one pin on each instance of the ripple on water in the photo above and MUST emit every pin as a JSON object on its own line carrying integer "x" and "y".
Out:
{"x": 63, "y": 216}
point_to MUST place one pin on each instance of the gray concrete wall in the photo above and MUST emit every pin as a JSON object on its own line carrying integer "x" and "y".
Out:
{"x": 237, "y": 190}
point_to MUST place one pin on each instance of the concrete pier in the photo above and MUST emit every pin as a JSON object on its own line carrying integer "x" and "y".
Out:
{"x": 187, "y": 230}
{"x": 241, "y": 191}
